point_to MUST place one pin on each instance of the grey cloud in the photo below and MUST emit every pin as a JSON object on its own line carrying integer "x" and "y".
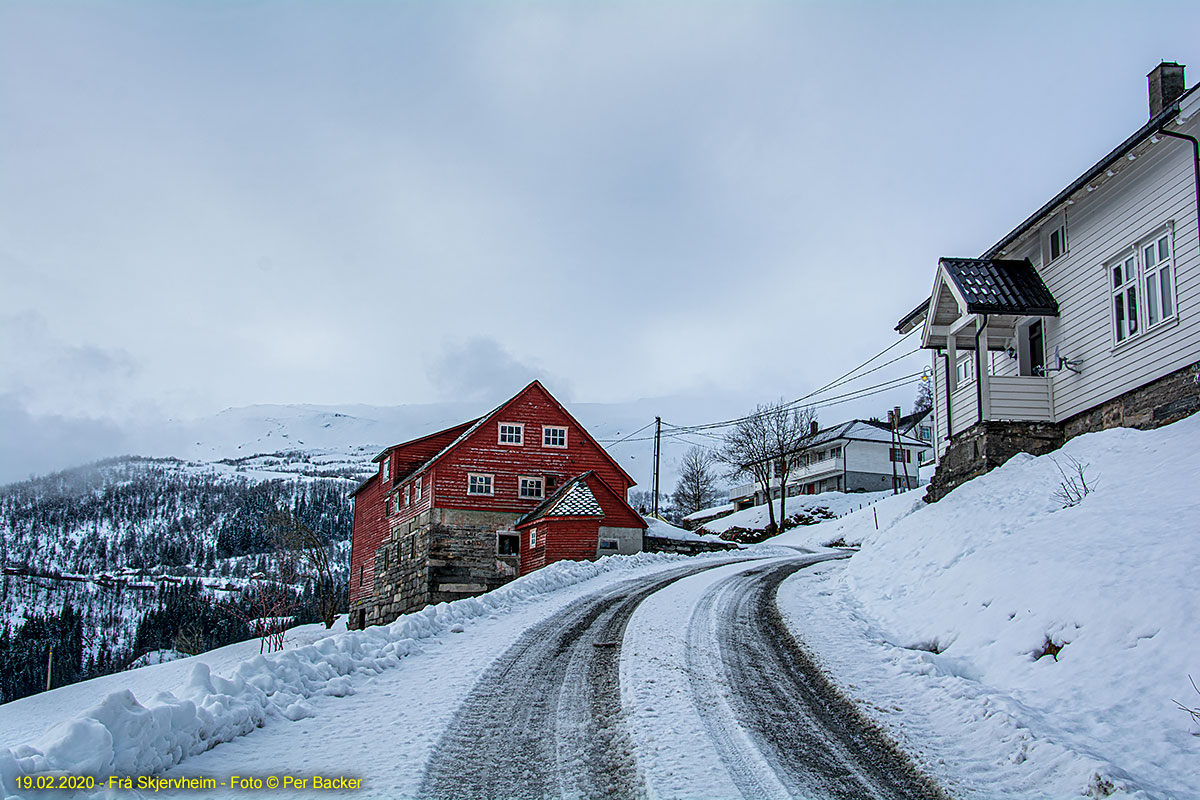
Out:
{"x": 35, "y": 444}
{"x": 480, "y": 368}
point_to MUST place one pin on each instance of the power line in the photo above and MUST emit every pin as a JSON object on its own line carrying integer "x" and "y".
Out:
{"x": 627, "y": 438}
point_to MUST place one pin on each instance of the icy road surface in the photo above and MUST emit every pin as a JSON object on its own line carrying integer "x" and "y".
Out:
{"x": 684, "y": 683}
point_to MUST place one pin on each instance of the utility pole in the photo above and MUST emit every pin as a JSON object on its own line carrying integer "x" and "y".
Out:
{"x": 894, "y": 424}
{"x": 903, "y": 452}
{"x": 657, "y": 453}
{"x": 49, "y": 666}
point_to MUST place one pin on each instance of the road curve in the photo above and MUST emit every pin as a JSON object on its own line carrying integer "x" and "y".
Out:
{"x": 545, "y": 719}
{"x": 781, "y": 727}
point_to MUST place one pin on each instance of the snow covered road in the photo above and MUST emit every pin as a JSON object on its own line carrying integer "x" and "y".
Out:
{"x": 675, "y": 679}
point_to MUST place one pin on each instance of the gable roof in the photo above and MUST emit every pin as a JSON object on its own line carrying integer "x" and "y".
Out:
{"x": 1000, "y": 286}
{"x": 573, "y": 499}
{"x": 861, "y": 430}
{"x": 479, "y": 423}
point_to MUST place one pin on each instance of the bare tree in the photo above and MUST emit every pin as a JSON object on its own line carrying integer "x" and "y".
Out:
{"x": 769, "y": 443}
{"x": 697, "y": 485}
{"x": 311, "y": 550}
{"x": 924, "y": 401}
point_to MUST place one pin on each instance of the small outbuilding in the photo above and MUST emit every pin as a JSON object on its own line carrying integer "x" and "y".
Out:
{"x": 584, "y": 519}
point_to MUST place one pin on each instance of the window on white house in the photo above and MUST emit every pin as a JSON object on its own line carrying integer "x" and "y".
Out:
{"x": 1125, "y": 298}
{"x": 1056, "y": 240}
{"x": 899, "y": 454}
{"x": 512, "y": 432}
{"x": 479, "y": 483}
{"x": 966, "y": 368}
{"x": 554, "y": 437}
{"x": 531, "y": 486}
{"x": 532, "y": 538}
{"x": 609, "y": 544}
{"x": 1158, "y": 277}
{"x": 926, "y": 433}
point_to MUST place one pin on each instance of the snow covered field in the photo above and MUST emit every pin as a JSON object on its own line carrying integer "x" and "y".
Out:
{"x": 1025, "y": 649}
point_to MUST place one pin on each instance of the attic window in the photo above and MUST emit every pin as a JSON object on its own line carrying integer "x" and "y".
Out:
{"x": 1056, "y": 240}
{"x": 512, "y": 432}
{"x": 385, "y": 467}
{"x": 554, "y": 437}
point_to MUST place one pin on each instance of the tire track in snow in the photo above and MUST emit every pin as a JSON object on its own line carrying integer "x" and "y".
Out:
{"x": 545, "y": 719}
{"x": 781, "y": 727}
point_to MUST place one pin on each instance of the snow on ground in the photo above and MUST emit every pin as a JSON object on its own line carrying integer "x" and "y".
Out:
{"x": 666, "y": 530}
{"x": 1027, "y": 650}
{"x": 756, "y": 518}
{"x": 146, "y": 721}
{"x": 705, "y": 513}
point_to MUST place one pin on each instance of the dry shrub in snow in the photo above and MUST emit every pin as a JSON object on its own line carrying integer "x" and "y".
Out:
{"x": 1075, "y": 485}
{"x": 1193, "y": 712}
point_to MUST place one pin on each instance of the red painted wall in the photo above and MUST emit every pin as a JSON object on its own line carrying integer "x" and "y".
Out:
{"x": 560, "y": 539}
{"x": 368, "y": 533}
{"x": 482, "y": 452}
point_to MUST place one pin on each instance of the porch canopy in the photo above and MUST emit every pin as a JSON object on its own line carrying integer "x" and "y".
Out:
{"x": 986, "y": 304}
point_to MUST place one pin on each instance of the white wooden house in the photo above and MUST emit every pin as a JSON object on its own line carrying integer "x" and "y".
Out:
{"x": 1086, "y": 315}
{"x": 855, "y": 456}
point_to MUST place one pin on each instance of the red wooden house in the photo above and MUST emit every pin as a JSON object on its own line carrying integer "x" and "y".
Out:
{"x": 437, "y": 521}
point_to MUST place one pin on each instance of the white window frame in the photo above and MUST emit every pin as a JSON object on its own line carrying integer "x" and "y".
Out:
{"x": 481, "y": 478}
{"x": 925, "y": 433}
{"x": 1143, "y": 268}
{"x": 417, "y": 490}
{"x": 1154, "y": 265}
{"x": 1057, "y": 227}
{"x": 407, "y": 494}
{"x": 964, "y": 370}
{"x": 523, "y": 480}
{"x": 546, "y": 430}
{"x": 385, "y": 468}
{"x": 518, "y": 427}
{"x": 533, "y": 537}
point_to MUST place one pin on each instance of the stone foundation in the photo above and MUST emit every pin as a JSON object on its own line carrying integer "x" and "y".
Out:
{"x": 658, "y": 544}
{"x": 438, "y": 556}
{"x": 986, "y": 445}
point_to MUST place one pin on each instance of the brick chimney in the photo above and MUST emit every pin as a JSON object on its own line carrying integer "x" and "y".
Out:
{"x": 1166, "y": 86}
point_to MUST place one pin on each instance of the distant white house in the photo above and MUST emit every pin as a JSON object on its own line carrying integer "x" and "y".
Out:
{"x": 1086, "y": 315}
{"x": 854, "y": 456}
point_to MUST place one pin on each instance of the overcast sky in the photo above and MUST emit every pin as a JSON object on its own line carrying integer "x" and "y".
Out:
{"x": 206, "y": 205}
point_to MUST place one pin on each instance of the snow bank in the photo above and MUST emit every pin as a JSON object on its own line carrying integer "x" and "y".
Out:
{"x": 705, "y": 513}
{"x": 122, "y": 736}
{"x": 833, "y": 504}
{"x": 666, "y": 530}
{"x": 1077, "y": 626}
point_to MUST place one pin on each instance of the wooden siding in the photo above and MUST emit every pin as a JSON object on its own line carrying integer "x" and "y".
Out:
{"x": 367, "y": 533}
{"x": 1155, "y": 189}
{"x": 1020, "y": 398}
{"x": 560, "y": 539}
{"x": 481, "y": 452}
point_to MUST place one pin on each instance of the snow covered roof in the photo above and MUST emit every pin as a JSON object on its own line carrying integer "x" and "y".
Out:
{"x": 573, "y": 499}
{"x": 860, "y": 430}
{"x": 1000, "y": 286}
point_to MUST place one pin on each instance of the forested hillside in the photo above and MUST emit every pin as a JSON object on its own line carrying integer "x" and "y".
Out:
{"x": 129, "y": 556}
